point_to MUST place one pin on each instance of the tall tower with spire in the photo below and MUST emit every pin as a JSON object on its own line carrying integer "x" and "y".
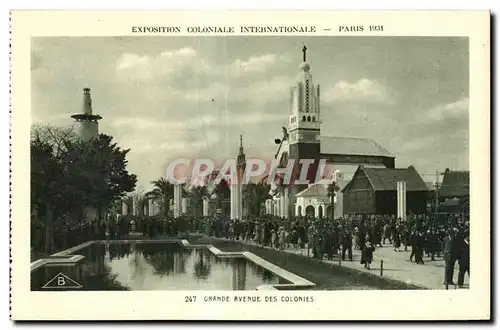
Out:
{"x": 241, "y": 159}
{"x": 87, "y": 122}
{"x": 237, "y": 187}
{"x": 304, "y": 120}
{"x": 304, "y": 124}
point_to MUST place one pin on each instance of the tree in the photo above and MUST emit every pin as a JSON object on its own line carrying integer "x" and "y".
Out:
{"x": 197, "y": 194}
{"x": 68, "y": 174}
{"x": 99, "y": 168}
{"x": 254, "y": 195}
{"x": 51, "y": 193}
{"x": 333, "y": 188}
{"x": 164, "y": 190}
{"x": 222, "y": 192}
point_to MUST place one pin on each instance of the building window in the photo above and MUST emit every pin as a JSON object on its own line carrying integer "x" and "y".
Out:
{"x": 314, "y": 118}
{"x": 308, "y": 118}
{"x": 303, "y": 118}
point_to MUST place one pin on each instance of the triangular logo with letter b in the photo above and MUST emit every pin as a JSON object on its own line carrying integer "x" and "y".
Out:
{"x": 61, "y": 281}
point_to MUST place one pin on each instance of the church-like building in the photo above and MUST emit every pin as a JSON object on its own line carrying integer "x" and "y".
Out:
{"x": 303, "y": 140}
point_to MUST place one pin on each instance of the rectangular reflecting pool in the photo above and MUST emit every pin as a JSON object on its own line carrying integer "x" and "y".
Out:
{"x": 158, "y": 266}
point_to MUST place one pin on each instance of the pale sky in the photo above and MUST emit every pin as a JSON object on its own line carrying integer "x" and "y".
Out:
{"x": 409, "y": 94}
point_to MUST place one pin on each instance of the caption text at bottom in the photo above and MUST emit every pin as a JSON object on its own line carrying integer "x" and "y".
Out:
{"x": 249, "y": 299}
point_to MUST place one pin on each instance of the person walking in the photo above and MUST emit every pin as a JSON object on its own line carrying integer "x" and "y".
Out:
{"x": 419, "y": 246}
{"x": 450, "y": 256}
{"x": 346, "y": 244}
{"x": 367, "y": 253}
{"x": 397, "y": 239}
{"x": 464, "y": 260}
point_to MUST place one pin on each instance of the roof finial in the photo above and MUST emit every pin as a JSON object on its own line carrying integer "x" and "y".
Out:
{"x": 241, "y": 140}
{"x": 304, "y": 49}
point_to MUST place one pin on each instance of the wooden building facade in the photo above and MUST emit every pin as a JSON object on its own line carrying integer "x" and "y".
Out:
{"x": 374, "y": 191}
{"x": 454, "y": 193}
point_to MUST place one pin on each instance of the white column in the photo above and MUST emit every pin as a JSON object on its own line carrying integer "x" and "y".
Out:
{"x": 134, "y": 206}
{"x": 177, "y": 200}
{"x": 157, "y": 206}
{"x": 124, "y": 208}
{"x": 184, "y": 205}
{"x": 401, "y": 199}
{"x": 205, "y": 207}
{"x": 239, "y": 205}
{"x": 268, "y": 207}
{"x": 233, "y": 196}
{"x": 339, "y": 201}
{"x": 150, "y": 207}
{"x": 285, "y": 203}
{"x": 404, "y": 202}
{"x": 339, "y": 204}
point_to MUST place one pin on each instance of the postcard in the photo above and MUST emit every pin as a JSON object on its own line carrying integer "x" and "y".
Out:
{"x": 250, "y": 165}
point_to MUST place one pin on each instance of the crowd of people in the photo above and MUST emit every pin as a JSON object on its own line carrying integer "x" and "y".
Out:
{"x": 325, "y": 238}
{"x": 420, "y": 235}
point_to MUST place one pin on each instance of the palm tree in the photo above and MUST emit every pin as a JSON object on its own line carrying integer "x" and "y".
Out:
{"x": 332, "y": 190}
{"x": 254, "y": 195}
{"x": 197, "y": 194}
{"x": 221, "y": 192}
{"x": 163, "y": 190}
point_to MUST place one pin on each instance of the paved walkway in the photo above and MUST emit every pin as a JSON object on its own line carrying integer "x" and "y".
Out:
{"x": 397, "y": 266}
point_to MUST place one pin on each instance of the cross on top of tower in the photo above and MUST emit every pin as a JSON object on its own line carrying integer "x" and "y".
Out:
{"x": 304, "y": 50}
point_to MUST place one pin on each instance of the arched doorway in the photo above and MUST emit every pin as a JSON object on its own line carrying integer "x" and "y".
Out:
{"x": 310, "y": 211}
{"x": 299, "y": 211}
{"x": 320, "y": 211}
{"x": 329, "y": 211}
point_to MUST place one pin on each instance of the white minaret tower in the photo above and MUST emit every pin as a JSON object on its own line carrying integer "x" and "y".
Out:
{"x": 87, "y": 123}
{"x": 304, "y": 122}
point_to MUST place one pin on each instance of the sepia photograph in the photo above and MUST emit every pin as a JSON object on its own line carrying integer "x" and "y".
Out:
{"x": 386, "y": 134}
{"x": 230, "y": 167}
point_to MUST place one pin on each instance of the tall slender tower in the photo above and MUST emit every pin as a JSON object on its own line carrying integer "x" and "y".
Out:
{"x": 304, "y": 122}
{"x": 237, "y": 187}
{"x": 240, "y": 169}
{"x": 87, "y": 123}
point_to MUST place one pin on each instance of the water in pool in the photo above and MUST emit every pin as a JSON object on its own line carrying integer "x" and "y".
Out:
{"x": 156, "y": 266}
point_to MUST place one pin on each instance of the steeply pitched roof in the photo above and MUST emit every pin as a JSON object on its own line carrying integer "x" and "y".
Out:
{"x": 315, "y": 190}
{"x": 455, "y": 184}
{"x": 386, "y": 179}
{"x": 430, "y": 185}
{"x": 352, "y": 146}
